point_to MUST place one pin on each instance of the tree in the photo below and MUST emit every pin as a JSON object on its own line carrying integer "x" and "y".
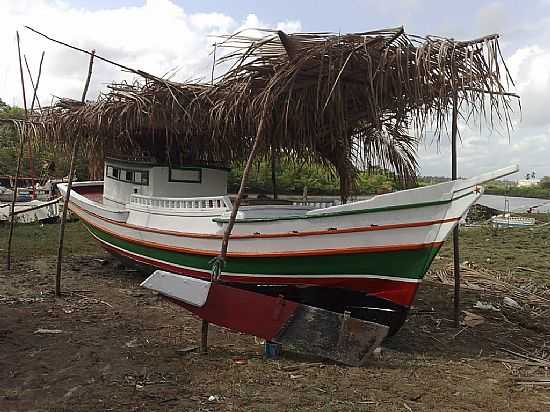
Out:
{"x": 8, "y": 138}
{"x": 545, "y": 182}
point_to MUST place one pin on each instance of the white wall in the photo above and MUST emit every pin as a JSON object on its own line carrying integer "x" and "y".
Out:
{"x": 213, "y": 183}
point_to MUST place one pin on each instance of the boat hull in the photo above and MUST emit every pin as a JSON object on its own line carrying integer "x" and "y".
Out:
{"x": 366, "y": 258}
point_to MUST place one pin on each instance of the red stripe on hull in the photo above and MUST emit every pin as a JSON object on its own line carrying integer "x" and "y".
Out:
{"x": 401, "y": 293}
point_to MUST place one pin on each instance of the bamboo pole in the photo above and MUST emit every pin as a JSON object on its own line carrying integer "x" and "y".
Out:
{"x": 69, "y": 187}
{"x": 456, "y": 250}
{"x": 35, "y": 86}
{"x": 12, "y": 206}
{"x": 34, "y": 98}
{"x": 21, "y": 144}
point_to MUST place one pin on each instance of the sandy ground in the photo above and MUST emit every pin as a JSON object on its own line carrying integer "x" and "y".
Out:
{"x": 120, "y": 347}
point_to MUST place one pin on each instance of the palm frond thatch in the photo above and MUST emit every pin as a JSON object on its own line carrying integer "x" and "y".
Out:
{"x": 336, "y": 99}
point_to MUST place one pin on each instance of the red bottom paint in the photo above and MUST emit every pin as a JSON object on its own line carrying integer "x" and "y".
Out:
{"x": 248, "y": 312}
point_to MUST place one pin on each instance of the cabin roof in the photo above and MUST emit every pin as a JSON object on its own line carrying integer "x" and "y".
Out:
{"x": 342, "y": 100}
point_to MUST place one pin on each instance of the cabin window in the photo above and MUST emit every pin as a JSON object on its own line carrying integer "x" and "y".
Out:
{"x": 185, "y": 174}
{"x": 137, "y": 177}
{"x": 141, "y": 178}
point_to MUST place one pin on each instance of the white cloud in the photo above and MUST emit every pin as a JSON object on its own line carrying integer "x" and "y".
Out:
{"x": 158, "y": 37}
{"x": 530, "y": 67}
{"x": 529, "y": 142}
{"x": 492, "y": 18}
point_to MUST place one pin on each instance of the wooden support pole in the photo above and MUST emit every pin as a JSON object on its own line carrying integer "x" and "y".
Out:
{"x": 225, "y": 242}
{"x": 274, "y": 173}
{"x": 35, "y": 86}
{"x": 204, "y": 337}
{"x": 12, "y": 206}
{"x": 21, "y": 144}
{"x": 34, "y": 99}
{"x": 69, "y": 187}
{"x": 456, "y": 251}
{"x": 235, "y": 209}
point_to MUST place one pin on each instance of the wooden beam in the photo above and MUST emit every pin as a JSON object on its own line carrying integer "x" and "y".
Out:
{"x": 20, "y": 156}
{"x": 274, "y": 173}
{"x": 219, "y": 262}
{"x": 456, "y": 250}
{"x": 204, "y": 337}
{"x": 69, "y": 187}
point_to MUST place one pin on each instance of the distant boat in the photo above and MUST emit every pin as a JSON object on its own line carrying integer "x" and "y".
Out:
{"x": 332, "y": 281}
{"x": 28, "y": 210}
{"x": 506, "y": 220}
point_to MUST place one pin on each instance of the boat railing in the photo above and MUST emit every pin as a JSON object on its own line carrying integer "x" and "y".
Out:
{"x": 210, "y": 202}
{"x": 315, "y": 204}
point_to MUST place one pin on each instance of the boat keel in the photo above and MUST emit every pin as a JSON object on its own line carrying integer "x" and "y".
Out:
{"x": 301, "y": 328}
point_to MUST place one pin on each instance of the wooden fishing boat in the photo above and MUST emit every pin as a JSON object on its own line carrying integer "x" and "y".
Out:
{"x": 364, "y": 258}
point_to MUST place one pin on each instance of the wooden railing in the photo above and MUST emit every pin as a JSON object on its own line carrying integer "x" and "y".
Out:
{"x": 178, "y": 203}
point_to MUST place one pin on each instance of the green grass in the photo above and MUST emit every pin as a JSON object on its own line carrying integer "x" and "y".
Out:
{"x": 36, "y": 240}
{"x": 504, "y": 250}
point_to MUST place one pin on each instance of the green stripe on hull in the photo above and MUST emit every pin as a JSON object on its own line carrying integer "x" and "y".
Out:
{"x": 410, "y": 264}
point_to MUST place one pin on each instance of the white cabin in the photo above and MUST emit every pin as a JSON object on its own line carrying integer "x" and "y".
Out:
{"x": 124, "y": 178}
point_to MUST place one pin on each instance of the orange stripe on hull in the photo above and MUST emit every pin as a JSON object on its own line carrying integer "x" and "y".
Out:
{"x": 313, "y": 252}
{"x": 336, "y": 231}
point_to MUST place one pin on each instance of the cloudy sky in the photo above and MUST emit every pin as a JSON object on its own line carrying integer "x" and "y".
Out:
{"x": 174, "y": 36}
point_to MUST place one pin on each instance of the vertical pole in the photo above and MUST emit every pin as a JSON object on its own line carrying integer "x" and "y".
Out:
{"x": 218, "y": 266}
{"x": 22, "y": 142}
{"x": 69, "y": 187}
{"x": 273, "y": 173}
{"x": 204, "y": 325}
{"x": 204, "y": 337}
{"x": 456, "y": 251}
{"x": 34, "y": 99}
{"x": 12, "y": 208}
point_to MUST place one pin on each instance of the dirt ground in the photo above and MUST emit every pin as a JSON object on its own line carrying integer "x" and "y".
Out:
{"x": 121, "y": 348}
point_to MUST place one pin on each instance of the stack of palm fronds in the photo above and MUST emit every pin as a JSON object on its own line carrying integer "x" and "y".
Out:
{"x": 342, "y": 100}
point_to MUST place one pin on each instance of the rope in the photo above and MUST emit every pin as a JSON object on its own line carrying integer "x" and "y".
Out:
{"x": 216, "y": 265}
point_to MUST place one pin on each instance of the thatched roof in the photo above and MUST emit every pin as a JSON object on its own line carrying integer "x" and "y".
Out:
{"x": 338, "y": 99}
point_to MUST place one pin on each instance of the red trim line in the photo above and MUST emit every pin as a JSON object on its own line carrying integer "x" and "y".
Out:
{"x": 306, "y": 252}
{"x": 273, "y": 235}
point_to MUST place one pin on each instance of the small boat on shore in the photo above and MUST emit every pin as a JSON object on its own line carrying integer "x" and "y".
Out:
{"x": 32, "y": 205}
{"x": 361, "y": 261}
{"x": 507, "y": 220}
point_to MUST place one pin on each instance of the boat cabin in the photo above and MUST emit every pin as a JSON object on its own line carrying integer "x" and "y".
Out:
{"x": 127, "y": 181}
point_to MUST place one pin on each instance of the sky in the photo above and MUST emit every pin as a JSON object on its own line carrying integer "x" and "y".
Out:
{"x": 174, "y": 37}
